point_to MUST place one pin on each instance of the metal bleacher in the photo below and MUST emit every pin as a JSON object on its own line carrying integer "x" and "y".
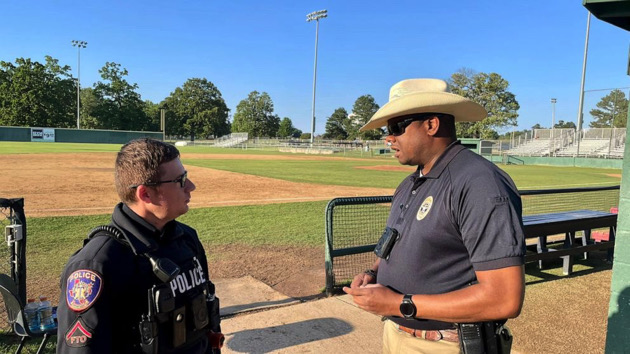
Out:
{"x": 594, "y": 142}
{"x": 537, "y": 147}
{"x": 231, "y": 140}
{"x": 588, "y": 147}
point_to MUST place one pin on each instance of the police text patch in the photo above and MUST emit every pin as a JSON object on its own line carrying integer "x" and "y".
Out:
{"x": 82, "y": 289}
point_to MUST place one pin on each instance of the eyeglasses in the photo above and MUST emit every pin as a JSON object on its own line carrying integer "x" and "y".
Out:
{"x": 181, "y": 180}
{"x": 398, "y": 128}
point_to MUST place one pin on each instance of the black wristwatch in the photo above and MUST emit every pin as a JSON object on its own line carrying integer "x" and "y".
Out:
{"x": 407, "y": 307}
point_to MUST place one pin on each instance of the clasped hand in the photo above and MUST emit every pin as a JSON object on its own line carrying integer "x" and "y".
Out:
{"x": 374, "y": 298}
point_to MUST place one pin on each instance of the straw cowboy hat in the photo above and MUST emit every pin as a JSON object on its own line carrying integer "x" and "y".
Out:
{"x": 425, "y": 96}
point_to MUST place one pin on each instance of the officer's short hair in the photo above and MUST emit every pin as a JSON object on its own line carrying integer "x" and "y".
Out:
{"x": 138, "y": 162}
{"x": 447, "y": 125}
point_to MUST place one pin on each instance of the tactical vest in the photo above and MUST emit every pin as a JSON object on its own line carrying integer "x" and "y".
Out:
{"x": 170, "y": 323}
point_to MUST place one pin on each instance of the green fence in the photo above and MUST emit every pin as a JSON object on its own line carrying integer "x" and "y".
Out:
{"x": 63, "y": 135}
{"x": 354, "y": 225}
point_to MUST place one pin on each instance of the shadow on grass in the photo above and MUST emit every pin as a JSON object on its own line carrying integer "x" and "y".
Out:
{"x": 552, "y": 269}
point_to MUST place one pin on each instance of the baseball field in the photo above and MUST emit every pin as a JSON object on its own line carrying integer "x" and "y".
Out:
{"x": 261, "y": 213}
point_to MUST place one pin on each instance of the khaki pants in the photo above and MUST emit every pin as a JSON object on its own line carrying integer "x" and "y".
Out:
{"x": 396, "y": 341}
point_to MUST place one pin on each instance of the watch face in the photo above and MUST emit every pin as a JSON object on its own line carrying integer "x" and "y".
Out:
{"x": 407, "y": 308}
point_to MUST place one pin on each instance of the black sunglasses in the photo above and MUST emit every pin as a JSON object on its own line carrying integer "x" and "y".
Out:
{"x": 181, "y": 180}
{"x": 398, "y": 128}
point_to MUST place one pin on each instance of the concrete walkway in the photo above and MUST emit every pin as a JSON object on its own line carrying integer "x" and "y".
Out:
{"x": 262, "y": 320}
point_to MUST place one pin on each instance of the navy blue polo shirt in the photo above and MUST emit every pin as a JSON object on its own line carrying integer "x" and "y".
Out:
{"x": 463, "y": 216}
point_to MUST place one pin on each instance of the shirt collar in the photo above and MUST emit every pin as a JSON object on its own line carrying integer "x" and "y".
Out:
{"x": 440, "y": 164}
{"x": 142, "y": 230}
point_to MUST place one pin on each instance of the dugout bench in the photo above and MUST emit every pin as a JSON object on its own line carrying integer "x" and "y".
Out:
{"x": 540, "y": 226}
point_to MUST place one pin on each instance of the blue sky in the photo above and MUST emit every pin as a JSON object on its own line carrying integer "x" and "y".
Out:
{"x": 364, "y": 48}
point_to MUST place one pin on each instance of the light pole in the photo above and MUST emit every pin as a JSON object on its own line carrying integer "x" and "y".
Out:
{"x": 579, "y": 118}
{"x": 163, "y": 122}
{"x": 553, "y": 121}
{"x": 79, "y": 45}
{"x": 315, "y": 16}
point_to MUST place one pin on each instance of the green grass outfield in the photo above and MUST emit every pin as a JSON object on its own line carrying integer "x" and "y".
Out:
{"x": 346, "y": 173}
{"x": 8, "y": 147}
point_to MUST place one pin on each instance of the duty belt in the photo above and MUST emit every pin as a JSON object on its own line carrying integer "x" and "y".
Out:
{"x": 449, "y": 335}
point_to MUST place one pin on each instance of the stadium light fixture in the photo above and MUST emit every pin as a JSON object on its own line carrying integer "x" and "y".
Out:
{"x": 79, "y": 45}
{"x": 315, "y": 16}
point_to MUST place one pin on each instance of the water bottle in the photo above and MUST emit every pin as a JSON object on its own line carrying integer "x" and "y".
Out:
{"x": 31, "y": 310}
{"x": 45, "y": 314}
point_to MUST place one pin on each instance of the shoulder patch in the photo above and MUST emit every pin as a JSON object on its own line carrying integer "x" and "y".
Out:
{"x": 82, "y": 289}
{"x": 79, "y": 335}
{"x": 424, "y": 208}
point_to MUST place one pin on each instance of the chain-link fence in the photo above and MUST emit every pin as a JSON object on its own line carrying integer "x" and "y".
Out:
{"x": 13, "y": 251}
{"x": 557, "y": 200}
{"x": 354, "y": 225}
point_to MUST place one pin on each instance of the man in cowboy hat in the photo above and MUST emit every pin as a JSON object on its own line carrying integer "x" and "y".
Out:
{"x": 453, "y": 251}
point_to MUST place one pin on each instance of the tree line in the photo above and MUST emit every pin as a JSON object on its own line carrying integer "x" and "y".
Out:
{"x": 44, "y": 95}
{"x": 34, "y": 94}
{"x": 489, "y": 90}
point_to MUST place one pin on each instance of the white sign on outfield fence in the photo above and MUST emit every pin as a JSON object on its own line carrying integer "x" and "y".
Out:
{"x": 42, "y": 134}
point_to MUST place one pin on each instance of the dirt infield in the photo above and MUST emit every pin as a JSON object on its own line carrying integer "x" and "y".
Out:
{"x": 80, "y": 184}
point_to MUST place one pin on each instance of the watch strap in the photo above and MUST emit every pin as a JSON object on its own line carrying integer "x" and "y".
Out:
{"x": 371, "y": 272}
{"x": 407, "y": 302}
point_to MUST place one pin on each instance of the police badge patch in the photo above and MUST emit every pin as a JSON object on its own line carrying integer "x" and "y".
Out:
{"x": 82, "y": 289}
{"x": 424, "y": 208}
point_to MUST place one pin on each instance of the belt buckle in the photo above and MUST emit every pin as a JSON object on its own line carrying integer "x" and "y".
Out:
{"x": 433, "y": 335}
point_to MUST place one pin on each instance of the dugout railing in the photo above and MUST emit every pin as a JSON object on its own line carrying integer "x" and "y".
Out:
{"x": 13, "y": 250}
{"x": 354, "y": 225}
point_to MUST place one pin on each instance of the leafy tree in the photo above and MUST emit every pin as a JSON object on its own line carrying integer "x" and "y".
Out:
{"x": 362, "y": 110}
{"x": 305, "y": 136}
{"x": 490, "y": 91}
{"x": 37, "y": 95}
{"x": 254, "y": 115}
{"x": 287, "y": 130}
{"x": 336, "y": 125}
{"x": 516, "y": 133}
{"x": 297, "y": 133}
{"x": 119, "y": 105}
{"x": 562, "y": 124}
{"x": 89, "y": 107}
{"x": 152, "y": 111}
{"x": 537, "y": 126}
{"x": 197, "y": 109}
{"x": 611, "y": 111}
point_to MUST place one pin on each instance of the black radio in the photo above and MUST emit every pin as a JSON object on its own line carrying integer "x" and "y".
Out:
{"x": 386, "y": 242}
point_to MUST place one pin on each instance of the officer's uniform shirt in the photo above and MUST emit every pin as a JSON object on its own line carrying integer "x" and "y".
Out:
{"x": 104, "y": 287}
{"x": 463, "y": 216}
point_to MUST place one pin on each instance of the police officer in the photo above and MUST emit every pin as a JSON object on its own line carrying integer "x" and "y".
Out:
{"x": 141, "y": 283}
{"x": 453, "y": 250}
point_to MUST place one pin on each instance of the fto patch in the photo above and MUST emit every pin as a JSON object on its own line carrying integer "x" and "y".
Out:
{"x": 424, "y": 208}
{"x": 79, "y": 335}
{"x": 82, "y": 289}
